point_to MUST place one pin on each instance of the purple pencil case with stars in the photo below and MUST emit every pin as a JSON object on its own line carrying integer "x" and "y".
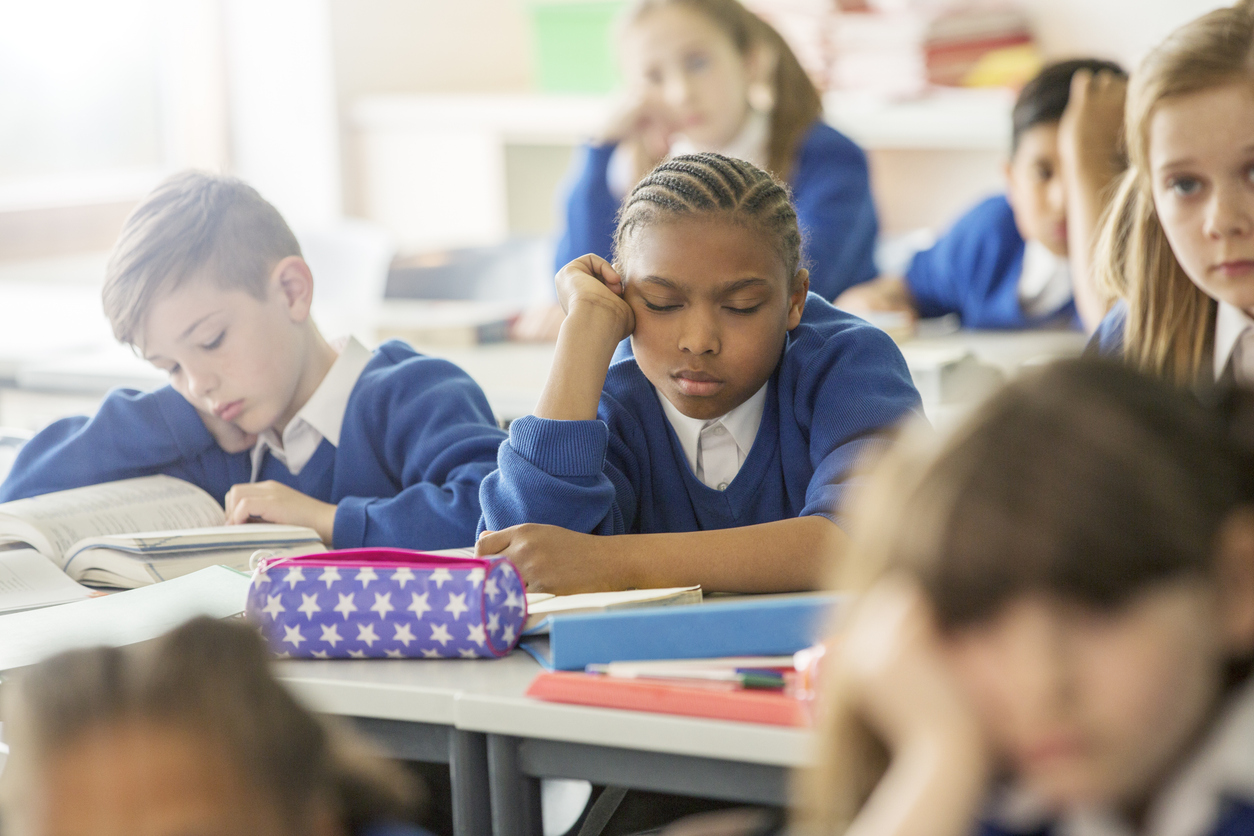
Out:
{"x": 387, "y": 603}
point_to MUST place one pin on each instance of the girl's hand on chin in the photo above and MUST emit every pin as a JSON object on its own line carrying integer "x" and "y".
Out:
{"x": 891, "y": 662}
{"x": 591, "y": 293}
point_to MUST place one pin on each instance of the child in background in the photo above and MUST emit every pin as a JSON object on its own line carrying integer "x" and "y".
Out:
{"x": 207, "y": 282}
{"x": 1178, "y": 244}
{"x": 709, "y": 75}
{"x": 1058, "y": 635}
{"x": 722, "y": 445}
{"x": 190, "y": 734}
{"x": 1021, "y": 260}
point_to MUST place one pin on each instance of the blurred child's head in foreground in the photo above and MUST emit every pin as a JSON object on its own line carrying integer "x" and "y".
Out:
{"x": 188, "y": 735}
{"x": 207, "y": 282}
{"x": 710, "y": 253}
{"x": 1033, "y": 174}
{"x": 1085, "y": 542}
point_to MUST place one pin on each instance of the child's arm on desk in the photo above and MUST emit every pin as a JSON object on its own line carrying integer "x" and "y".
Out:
{"x": 274, "y": 502}
{"x": 783, "y": 556}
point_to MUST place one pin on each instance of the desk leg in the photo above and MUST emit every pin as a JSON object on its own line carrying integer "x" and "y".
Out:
{"x": 515, "y": 796}
{"x": 468, "y": 769}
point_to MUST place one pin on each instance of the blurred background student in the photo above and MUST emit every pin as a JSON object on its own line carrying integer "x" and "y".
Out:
{"x": 1021, "y": 259}
{"x": 191, "y": 734}
{"x": 709, "y": 75}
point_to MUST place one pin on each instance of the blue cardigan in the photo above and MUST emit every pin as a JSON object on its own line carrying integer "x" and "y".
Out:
{"x": 974, "y": 270}
{"x": 417, "y": 438}
{"x": 838, "y": 384}
{"x": 1236, "y": 819}
{"x": 831, "y": 191}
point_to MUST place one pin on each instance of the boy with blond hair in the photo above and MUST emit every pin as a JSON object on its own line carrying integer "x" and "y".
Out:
{"x": 207, "y": 283}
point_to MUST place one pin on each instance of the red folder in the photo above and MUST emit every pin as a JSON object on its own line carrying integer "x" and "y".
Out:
{"x": 718, "y": 703}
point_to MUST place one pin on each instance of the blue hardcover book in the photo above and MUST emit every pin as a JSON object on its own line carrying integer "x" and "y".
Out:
{"x": 769, "y": 625}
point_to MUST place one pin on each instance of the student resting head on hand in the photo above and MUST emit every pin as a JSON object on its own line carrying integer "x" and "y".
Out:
{"x": 710, "y": 75}
{"x": 207, "y": 283}
{"x": 1021, "y": 260}
{"x": 1178, "y": 243}
{"x": 1055, "y": 633}
{"x": 720, "y": 445}
{"x": 190, "y": 734}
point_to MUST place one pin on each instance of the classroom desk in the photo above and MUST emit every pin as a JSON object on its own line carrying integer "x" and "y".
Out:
{"x": 499, "y": 744}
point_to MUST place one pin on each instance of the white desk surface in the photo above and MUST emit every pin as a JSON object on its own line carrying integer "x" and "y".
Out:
{"x": 487, "y": 696}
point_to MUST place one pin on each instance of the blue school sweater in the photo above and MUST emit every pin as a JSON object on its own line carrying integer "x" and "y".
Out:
{"x": 974, "y": 270}
{"x": 1236, "y": 819}
{"x": 1107, "y": 340}
{"x": 418, "y": 437}
{"x": 838, "y": 384}
{"x": 831, "y": 191}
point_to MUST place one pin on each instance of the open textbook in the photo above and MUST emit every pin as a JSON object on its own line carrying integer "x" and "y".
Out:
{"x": 139, "y": 531}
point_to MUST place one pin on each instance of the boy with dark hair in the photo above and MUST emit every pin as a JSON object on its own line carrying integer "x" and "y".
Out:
{"x": 207, "y": 282}
{"x": 1020, "y": 260}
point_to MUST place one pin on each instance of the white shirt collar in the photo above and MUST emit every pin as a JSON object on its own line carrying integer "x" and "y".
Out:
{"x": 1044, "y": 281}
{"x": 1230, "y": 323}
{"x": 1222, "y": 767}
{"x": 321, "y": 417}
{"x": 742, "y": 424}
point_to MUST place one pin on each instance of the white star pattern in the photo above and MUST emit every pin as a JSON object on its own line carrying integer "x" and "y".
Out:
{"x": 320, "y": 654}
{"x": 273, "y": 606}
{"x": 456, "y": 605}
{"x": 309, "y": 605}
{"x": 430, "y": 653}
{"x": 477, "y": 634}
{"x": 394, "y": 654}
{"x": 419, "y": 605}
{"x": 357, "y": 654}
{"x": 507, "y": 635}
{"x": 330, "y": 575}
{"x": 439, "y": 576}
{"x": 494, "y": 622}
{"x": 467, "y": 653}
{"x": 403, "y": 576}
{"x": 293, "y": 575}
{"x": 260, "y": 577}
{"x": 366, "y": 575}
{"x": 331, "y": 634}
{"x": 346, "y": 605}
{"x": 475, "y": 577}
{"x": 366, "y": 633}
{"x": 382, "y": 604}
{"x": 292, "y": 636}
{"x": 404, "y": 635}
{"x": 490, "y": 589}
{"x": 283, "y": 654}
{"x": 513, "y": 601}
{"x": 439, "y": 633}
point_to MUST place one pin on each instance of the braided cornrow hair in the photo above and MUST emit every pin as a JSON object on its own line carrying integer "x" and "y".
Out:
{"x": 711, "y": 183}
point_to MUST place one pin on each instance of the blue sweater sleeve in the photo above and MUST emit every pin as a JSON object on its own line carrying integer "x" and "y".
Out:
{"x": 590, "y": 209}
{"x": 1107, "y": 340}
{"x": 832, "y": 195}
{"x": 576, "y": 474}
{"x": 428, "y": 425}
{"x": 132, "y": 434}
{"x": 846, "y": 398}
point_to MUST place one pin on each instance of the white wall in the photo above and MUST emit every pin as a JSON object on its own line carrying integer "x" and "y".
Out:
{"x": 1120, "y": 29}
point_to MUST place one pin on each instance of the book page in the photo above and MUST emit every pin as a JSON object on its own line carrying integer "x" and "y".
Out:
{"x": 150, "y": 503}
{"x": 541, "y": 608}
{"x": 29, "y": 580}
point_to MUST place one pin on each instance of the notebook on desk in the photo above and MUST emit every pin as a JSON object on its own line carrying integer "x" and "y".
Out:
{"x": 743, "y": 625}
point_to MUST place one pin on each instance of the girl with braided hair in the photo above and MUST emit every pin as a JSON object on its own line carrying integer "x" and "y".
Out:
{"x": 722, "y": 444}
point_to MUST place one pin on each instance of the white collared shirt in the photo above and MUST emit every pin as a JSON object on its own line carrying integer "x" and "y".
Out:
{"x": 749, "y": 144}
{"x": 1234, "y": 334}
{"x": 321, "y": 417}
{"x": 716, "y": 448}
{"x": 1045, "y": 281}
{"x": 1191, "y": 802}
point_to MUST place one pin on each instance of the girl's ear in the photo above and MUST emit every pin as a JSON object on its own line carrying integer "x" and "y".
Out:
{"x": 292, "y": 278}
{"x": 797, "y": 298}
{"x": 1235, "y": 565}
